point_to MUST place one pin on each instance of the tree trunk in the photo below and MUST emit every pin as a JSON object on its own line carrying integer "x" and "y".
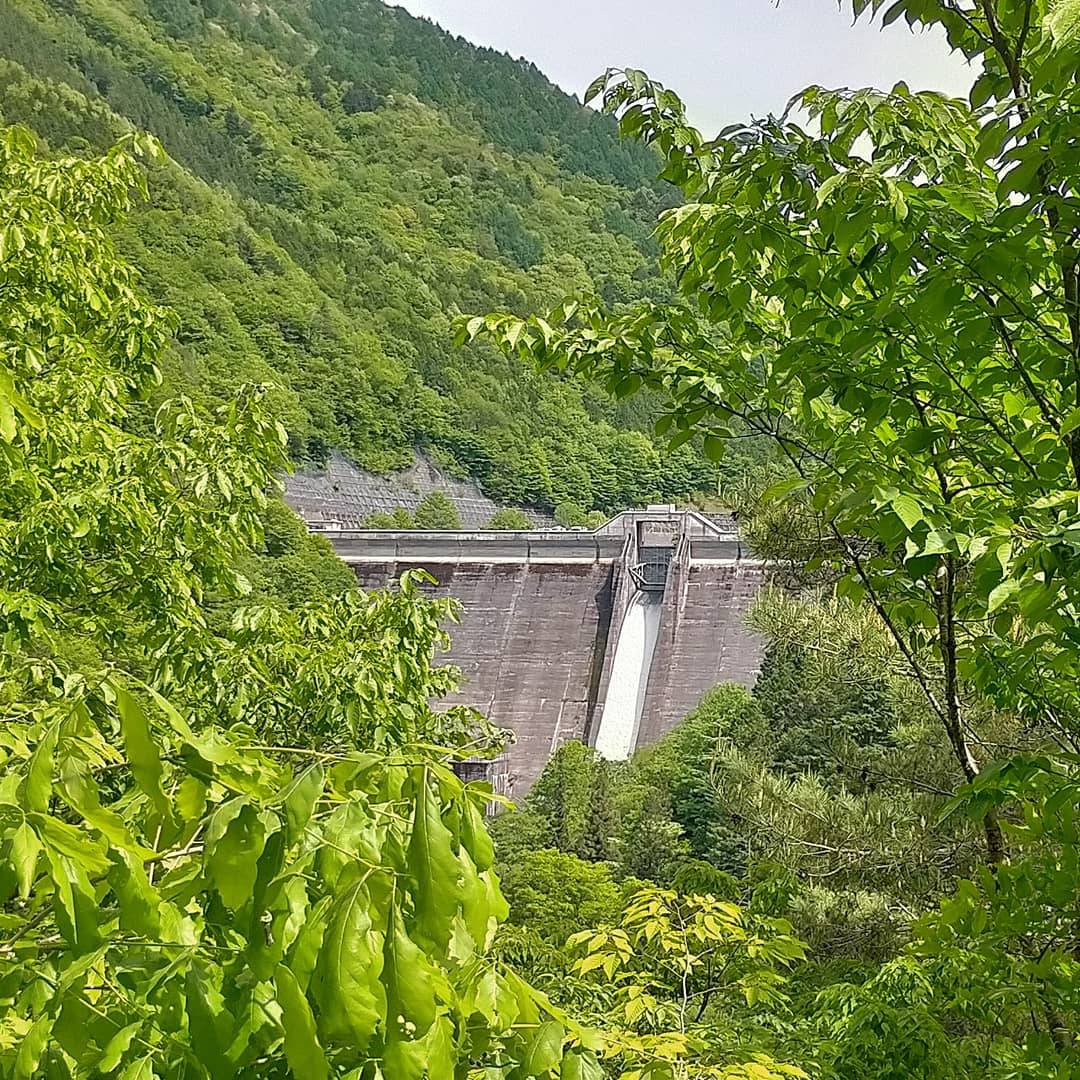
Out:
{"x": 953, "y": 717}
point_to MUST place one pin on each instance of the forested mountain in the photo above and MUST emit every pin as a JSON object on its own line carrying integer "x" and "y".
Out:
{"x": 234, "y": 840}
{"x": 344, "y": 179}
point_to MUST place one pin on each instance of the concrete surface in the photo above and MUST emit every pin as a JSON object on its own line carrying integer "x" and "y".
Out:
{"x": 542, "y": 612}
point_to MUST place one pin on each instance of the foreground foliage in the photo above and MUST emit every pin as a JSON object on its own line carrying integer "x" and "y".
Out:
{"x": 222, "y": 848}
{"x": 669, "y": 959}
{"x": 888, "y": 293}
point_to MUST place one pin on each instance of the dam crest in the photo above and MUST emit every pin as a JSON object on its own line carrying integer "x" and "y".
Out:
{"x": 609, "y": 636}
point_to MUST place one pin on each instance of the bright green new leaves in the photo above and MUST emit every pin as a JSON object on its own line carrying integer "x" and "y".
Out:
{"x": 349, "y": 989}
{"x": 1063, "y": 23}
{"x": 668, "y": 957}
{"x": 302, "y": 1050}
{"x": 435, "y": 871}
{"x": 225, "y": 850}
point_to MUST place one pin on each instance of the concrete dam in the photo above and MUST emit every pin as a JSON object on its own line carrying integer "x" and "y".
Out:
{"x": 610, "y": 637}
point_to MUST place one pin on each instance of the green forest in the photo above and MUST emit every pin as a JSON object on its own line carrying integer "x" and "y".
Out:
{"x": 233, "y": 840}
{"x": 342, "y": 181}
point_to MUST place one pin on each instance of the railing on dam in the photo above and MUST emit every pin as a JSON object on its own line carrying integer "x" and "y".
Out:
{"x": 571, "y": 546}
{"x": 709, "y": 542}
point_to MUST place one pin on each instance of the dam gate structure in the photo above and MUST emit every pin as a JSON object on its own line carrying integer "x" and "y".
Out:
{"x": 609, "y": 636}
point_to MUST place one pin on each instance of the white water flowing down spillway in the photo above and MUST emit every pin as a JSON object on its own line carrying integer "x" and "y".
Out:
{"x": 621, "y": 717}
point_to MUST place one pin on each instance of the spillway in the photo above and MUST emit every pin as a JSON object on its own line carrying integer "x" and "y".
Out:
{"x": 630, "y": 667}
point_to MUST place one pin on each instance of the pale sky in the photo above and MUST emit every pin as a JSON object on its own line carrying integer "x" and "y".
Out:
{"x": 727, "y": 59}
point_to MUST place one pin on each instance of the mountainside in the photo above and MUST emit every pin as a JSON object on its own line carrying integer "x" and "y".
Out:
{"x": 343, "y": 179}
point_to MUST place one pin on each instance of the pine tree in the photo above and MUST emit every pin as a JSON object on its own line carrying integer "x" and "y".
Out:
{"x": 601, "y": 818}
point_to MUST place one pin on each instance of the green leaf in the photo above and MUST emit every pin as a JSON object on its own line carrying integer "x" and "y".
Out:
{"x": 39, "y": 775}
{"x": 907, "y": 510}
{"x": 139, "y": 904}
{"x": 209, "y": 1025}
{"x": 513, "y": 335}
{"x": 1013, "y": 403}
{"x": 349, "y": 993}
{"x": 595, "y": 88}
{"x": 191, "y": 798}
{"x": 266, "y": 925}
{"x": 1000, "y": 594}
{"x": 32, "y": 1047}
{"x": 80, "y": 791}
{"x": 303, "y": 793}
{"x": 117, "y": 1046}
{"x": 919, "y": 439}
{"x": 8, "y": 426}
{"x": 432, "y": 1056}
{"x": 1057, "y": 498}
{"x": 411, "y": 981}
{"x": 937, "y": 543}
{"x": 545, "y": 1049}
{"x": 779, "y": 491}
{"x": 305, "y": 1056}
{"x": 1071, "y": 421}
{"x": 75, "y": 843}
{"x": 177, "y": 722}
{"x": 1063, "y": 23}
{"x": 25, "y": 847}
{"x": 829, "y": 185}
{"x": 434, "y": 870}
{"x": 475, "y": 837}
{"x": 234, "y": 843}
{"x": 304, "y": 954}
{"x": 681, "y": 438}
{"x": 714, "y": 447}
{"x": 142, "y": 751}
{"x": 581, "y": 1066}
{"x": 75, "y": 906}
{"x": 11, "y": 401}
{"x": 141, "y": 1069}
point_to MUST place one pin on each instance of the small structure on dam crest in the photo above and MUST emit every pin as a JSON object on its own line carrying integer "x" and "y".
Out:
{"x": 610, "y": 637}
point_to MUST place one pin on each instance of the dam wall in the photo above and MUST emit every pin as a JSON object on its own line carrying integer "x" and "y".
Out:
{"x": 544, "y": 611}
{"x": 703, "y": 639}
{"x": 527, "y": 645}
